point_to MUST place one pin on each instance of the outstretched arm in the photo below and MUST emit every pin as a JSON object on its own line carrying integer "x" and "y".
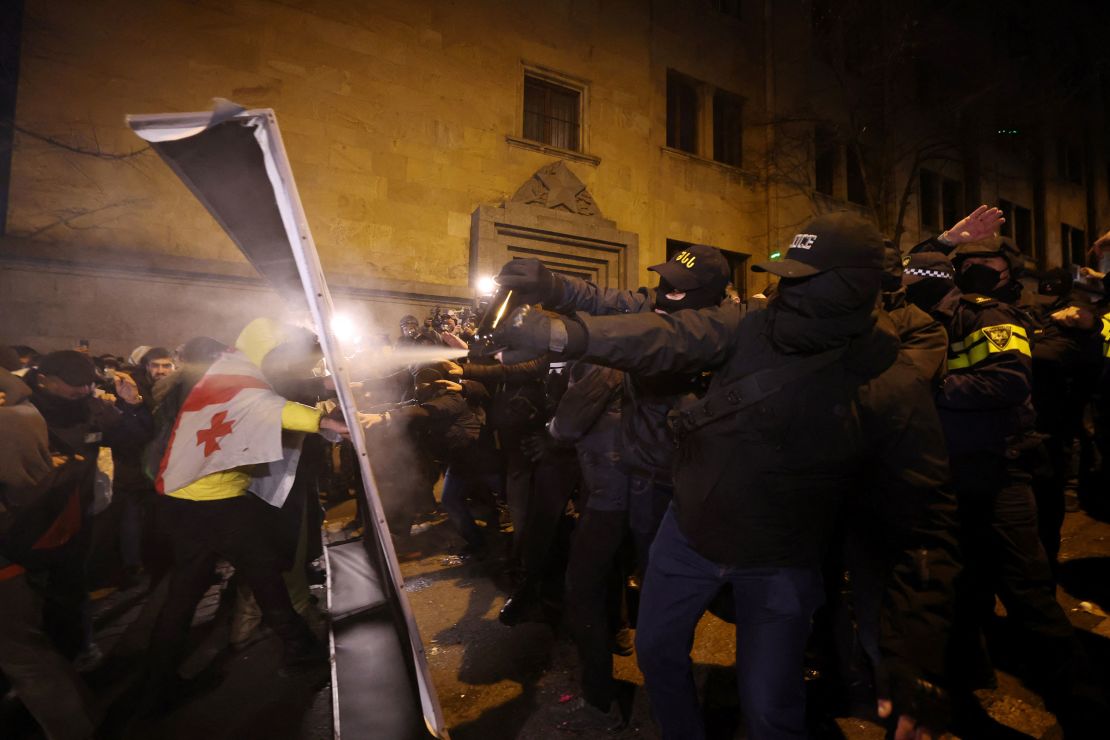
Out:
{"x": 685, "y": 341}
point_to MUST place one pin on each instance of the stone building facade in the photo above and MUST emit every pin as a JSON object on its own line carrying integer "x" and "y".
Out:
{"x": 433, "y": 139}
{"x": 405, "y": 126}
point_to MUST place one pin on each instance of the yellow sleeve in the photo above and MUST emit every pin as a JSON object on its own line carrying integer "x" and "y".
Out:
{"x": 297, "y": 417}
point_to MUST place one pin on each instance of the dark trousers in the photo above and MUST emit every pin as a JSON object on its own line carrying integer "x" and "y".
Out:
{"x": 45, "y": 681}
{"x": 242, "y": 531}
{"x": 648, "y": 499}
{"x": 774, "y": 607}
{"x": 543, "y": 551}
{"x": 595, "y": 589}
{"x": 459, "y": 484}
{"x": 1003, "y": 555}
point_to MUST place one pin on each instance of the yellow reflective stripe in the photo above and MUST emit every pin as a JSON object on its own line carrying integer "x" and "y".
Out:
{"x": 977, "y": 346}
{"x": 1106, "y": 335}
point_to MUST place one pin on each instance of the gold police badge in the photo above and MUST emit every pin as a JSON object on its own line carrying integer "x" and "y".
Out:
{"x": 999, "y": 336}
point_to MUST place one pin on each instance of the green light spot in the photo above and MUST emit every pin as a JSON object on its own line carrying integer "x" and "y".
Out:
{"x": 776, "y": 255}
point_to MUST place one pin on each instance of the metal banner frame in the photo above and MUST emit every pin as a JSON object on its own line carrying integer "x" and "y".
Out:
{"x": 234, "y": 162}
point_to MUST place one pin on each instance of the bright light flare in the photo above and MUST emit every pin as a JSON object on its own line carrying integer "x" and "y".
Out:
{"x": 487, "y": 285}
{"x": 345, "y": 329}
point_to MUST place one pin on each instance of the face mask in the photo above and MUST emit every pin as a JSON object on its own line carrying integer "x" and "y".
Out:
{"x": 978, "y": 279}
{"x": 700, "y": 297}
{"x": 927, "y": 293}
{"x": 833, "y": 293}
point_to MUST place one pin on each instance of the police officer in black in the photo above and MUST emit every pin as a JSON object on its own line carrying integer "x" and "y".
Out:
{"x": 1065, "y": 369}
{"x": 694, "y": 278}
{"x": 810, "y": 403}
{"x": 985, "y": 405}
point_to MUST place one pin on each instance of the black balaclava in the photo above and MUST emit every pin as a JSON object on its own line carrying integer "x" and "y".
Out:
{"x": 830, "y": 294}
{"x": 928, "y": 292}
{"x": 702, "y": 296}
{"x": 815, "y": 313}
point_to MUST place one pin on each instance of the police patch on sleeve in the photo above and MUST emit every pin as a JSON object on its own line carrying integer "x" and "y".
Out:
{"x": 999, "y": 336}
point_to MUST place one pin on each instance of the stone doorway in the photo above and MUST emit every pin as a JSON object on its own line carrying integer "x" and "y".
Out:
{"x": 553, "y": 218}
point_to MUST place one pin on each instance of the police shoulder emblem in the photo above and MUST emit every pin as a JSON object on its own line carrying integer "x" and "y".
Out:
{"x": 999, "y": 336}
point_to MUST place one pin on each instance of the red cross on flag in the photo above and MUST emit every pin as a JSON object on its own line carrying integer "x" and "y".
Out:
{"x": 230, "y": 419}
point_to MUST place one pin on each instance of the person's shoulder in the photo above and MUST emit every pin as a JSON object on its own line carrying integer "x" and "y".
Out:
{"x": 975, "y": 300}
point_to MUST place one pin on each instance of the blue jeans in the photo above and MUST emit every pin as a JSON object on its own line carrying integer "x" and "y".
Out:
{"x": 774, "y": 607}
{"x": 458, "y": 485}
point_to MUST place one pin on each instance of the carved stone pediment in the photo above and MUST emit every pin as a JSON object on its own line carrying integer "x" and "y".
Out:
{"x": 556, "y": 187}
{"x": 553, "y": 218}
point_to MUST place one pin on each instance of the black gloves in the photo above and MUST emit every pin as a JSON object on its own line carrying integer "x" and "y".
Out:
{"x": 911, "y": 695}
{"x": 535, "y": 283}
{"x": 540, "y": 331}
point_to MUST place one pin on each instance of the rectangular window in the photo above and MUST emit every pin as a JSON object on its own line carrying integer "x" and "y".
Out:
{"x": 682, "y": 113}
{"x": 552, "y": 113}
{"x": 728, "y": 131}
{"x": 857, "y": 190}
{"x": 728, "y": 7}
{"x": 1073, "y": 245}
{"x": 1069, "y": 162}
{"x": 1007, "y": 227}
{"x": 825, "y": 158}
{"x": 1023, "y": 230}
{"x": 929, "y": 200}
{"x": 951, "y": 202}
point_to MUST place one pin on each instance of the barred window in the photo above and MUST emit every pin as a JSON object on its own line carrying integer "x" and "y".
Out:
{"x": 552, "y": 113}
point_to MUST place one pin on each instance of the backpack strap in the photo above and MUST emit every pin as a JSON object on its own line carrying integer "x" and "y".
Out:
{"x": 728, "y": 400}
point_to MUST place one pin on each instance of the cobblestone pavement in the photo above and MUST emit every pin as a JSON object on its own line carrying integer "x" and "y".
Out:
{"x": 500, "y": 682}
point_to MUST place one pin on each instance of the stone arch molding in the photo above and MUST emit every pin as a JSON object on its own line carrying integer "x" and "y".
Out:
{"x": 553, "y": 217}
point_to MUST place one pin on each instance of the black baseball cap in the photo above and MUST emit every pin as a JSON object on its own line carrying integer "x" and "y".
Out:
{"x": 841, "y": 239}
{"x": 72, "y": 367}
{"x": 695, "y": 266}
{"x": 932, "y": 264}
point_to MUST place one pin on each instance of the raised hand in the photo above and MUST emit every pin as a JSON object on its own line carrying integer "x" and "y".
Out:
{"x": 984, "y": 221}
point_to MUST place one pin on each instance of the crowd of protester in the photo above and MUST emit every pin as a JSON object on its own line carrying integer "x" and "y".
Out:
{"x": 850, "y": 467}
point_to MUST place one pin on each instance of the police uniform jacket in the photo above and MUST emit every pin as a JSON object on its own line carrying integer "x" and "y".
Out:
{"x": 985, "y": 402}
{"x": 645, "y": 445}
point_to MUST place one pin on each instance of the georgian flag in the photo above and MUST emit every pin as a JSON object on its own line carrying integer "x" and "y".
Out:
{"x": 231, "y": 418}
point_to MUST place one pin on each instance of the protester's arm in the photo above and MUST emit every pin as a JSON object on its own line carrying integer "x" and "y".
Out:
{"x": 296, "y": 417}
{"x": 127, "y": 421}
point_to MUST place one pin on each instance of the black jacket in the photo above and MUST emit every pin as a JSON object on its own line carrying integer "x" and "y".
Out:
{"x": 764, "y": 487}
{"x": 588, "y": 416}
{"x": 1066, "y": 366}
{"x": 646, "y": 447}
